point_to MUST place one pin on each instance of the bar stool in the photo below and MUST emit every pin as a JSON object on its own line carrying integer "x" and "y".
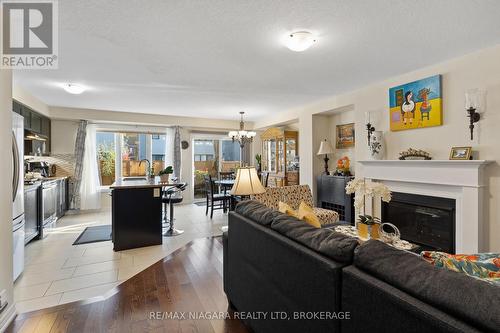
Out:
{"x": 171, "y": 197}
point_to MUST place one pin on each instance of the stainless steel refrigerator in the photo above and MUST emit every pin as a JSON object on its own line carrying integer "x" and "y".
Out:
{"x": 18, "y": 192}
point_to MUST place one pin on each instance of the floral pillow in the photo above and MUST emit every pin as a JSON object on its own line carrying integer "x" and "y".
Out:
{"x": 485, "y": 266}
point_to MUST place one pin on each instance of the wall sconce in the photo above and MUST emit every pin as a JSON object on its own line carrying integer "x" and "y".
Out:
{"x": 473, "y": 99}
{"x": 369, "y": 127}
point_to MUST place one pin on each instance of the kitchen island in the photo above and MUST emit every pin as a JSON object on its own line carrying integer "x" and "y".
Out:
{"x": 136, "y": 212}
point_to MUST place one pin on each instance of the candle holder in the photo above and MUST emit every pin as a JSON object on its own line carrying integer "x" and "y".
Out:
{"x": 473, "y": 102}
{"x": 370, "y": 129}
{"x": 474, "y": 117}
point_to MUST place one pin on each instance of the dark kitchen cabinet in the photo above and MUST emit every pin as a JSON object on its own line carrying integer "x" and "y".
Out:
{"x": 45, "y": 127}
{"x": 32, "y": 212}
{"x": 34, "y": 123}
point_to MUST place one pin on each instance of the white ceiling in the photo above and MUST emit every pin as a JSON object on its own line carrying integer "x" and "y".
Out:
{"x": 215, "y": 58}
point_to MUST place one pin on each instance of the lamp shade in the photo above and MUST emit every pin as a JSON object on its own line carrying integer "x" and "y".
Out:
{"x": 325, "y": 148}
{"x": 247, "y": 182}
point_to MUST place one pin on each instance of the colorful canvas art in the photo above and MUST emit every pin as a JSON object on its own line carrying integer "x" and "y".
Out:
{"x": 345, "y": 136}
{"x": 416, "y": 104}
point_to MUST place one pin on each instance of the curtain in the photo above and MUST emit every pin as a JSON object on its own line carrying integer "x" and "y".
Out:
{"x": 177, "y": 152}
{"x": 79, "y": 152}
{"x": 90, "y": 192}
{"x": 169, "y": 146}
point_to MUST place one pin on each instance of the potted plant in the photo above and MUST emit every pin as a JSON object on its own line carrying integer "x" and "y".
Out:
{"x": 165, "y": 174}
{"x": 258, "y": 158}
{"x": 367, "y": 225}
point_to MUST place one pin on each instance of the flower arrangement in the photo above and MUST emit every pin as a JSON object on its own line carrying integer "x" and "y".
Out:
{"x": 362, "y": 190}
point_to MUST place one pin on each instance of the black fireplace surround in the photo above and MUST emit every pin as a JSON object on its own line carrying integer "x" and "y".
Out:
{"x": 424, "y": 220}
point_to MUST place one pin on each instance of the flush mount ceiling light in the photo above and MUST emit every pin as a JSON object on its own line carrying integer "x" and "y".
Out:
{"x": 73, "y": 88}
{"x": 300, "y": 40}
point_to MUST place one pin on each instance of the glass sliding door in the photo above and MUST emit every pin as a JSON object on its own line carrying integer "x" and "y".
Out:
{"x": 211, "y": 156}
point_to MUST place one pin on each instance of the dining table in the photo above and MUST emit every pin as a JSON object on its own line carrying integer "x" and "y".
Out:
{"x": 225, "y": 185}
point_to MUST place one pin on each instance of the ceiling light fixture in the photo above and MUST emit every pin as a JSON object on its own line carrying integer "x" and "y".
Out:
{"x": 300, "y": 40}
{"x": 74, "y": 88}
{"x": 242, "y": 136}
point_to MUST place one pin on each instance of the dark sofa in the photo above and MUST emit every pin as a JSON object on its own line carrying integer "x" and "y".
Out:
{"x": 274, "y": 263}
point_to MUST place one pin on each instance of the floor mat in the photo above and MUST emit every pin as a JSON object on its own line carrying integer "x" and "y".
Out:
{"x": 100, "y": 233}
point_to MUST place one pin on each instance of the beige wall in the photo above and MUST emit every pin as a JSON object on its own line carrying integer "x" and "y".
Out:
{"x": 63, "y": 136}
{"x": 477, "y": 70}
{"x": 6, "y": 282}
{"x": 342, "y": 118}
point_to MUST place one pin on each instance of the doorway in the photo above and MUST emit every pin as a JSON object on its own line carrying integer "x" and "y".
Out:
{"x": 211, "y": 155}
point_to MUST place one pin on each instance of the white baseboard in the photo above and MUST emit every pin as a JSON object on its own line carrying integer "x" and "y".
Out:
{"x": 8, "y": 317}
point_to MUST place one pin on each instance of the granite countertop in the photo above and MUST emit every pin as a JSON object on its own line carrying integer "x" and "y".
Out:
{"x": 136, "y": 182}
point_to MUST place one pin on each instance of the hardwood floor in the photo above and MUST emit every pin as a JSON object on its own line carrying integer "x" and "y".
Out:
{"x": 188, "y": 282}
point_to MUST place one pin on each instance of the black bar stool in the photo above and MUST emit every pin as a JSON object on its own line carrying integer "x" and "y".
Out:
{"x": 171, "y": 197}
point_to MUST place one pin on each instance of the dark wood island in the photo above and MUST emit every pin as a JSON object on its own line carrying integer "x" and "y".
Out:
{"x": 136, "y": 213}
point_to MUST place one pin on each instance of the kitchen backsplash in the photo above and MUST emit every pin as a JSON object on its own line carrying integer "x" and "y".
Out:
{"x": 65, "y": 163}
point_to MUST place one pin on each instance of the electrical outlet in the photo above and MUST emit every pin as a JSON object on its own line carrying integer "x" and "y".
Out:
{"x": 3, "y": 300}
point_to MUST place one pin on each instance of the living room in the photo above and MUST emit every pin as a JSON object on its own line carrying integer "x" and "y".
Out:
{"x": 252, "y": 167}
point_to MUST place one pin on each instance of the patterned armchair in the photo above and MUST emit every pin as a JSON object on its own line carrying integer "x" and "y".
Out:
{"x": 293, "y": 195}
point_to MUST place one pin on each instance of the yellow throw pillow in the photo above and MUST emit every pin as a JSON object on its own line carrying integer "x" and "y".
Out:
{"x": 312, "y": 220}
{"x": 305, "y": 209}
{"x": 305, "y": 213}
{"x": 285, "y": 208}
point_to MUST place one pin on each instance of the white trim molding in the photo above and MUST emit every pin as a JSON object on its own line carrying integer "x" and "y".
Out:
{"x": 460, "y": 180}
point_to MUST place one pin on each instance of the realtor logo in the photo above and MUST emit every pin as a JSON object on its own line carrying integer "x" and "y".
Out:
{"x": 29, "y": 34}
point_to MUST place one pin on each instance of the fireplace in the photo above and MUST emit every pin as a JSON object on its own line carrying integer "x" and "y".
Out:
{"x": 424, "y": 220}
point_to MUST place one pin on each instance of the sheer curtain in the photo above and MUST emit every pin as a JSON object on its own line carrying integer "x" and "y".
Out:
{"x": 169, "y": 146}
{"x": 90, "y": 193}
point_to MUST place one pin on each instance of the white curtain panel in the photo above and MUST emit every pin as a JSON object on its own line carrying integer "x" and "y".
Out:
{"x": 90, "y": 193}
{"x": 169, "y": 146}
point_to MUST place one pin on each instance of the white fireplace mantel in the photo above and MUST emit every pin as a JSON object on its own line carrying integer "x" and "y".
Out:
{"x": 460, "y": 180}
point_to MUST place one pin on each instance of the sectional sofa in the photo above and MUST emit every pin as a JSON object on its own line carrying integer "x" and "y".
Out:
{"x": 286, "y": 276}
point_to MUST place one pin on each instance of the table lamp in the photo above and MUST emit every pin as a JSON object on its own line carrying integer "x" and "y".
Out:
{"x": 324, "y": 149}
{"x": 247, "y": 182}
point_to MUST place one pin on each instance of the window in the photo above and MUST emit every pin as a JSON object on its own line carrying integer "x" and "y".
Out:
{"x": 132, "y": 147}
{"x": 106, "y": 155}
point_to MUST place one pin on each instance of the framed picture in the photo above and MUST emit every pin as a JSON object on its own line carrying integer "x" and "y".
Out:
{"x": 345, "y": 136}
{"x": 416, "y": 104}
{"x": 460, "y": 153}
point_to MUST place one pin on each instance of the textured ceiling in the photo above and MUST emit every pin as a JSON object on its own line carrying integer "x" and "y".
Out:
{"x": 215, "y": 58}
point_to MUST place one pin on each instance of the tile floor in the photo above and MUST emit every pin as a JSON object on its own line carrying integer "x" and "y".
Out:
{"x": 56, "y": 272}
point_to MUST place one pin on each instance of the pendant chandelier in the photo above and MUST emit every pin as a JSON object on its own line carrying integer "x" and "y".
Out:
{"x": 243, "y": 137}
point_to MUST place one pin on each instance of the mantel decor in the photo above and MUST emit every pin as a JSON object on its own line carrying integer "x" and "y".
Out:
{"x": 416, "y": 104}
{"x": 367, "y": 225}
{"x": 473, "y": 99}
{"x": 414, "y": 154}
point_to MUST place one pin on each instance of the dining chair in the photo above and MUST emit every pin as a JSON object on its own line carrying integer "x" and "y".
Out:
{"x": 214, "y": 200}
{"x": 226, "y": 175}
{"x": 264, "y": 178}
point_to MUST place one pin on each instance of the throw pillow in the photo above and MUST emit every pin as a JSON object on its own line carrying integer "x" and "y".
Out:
{"x": 312, "y": 220}
{"x": 285, "y": 208}
{"x": 304, "y": 213}
{"x": 485, "y": 266}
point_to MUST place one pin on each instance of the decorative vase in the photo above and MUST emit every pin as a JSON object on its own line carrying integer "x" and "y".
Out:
{"x": 164, "y": 178}
{"x": 368, "y": 231}
{"x": 377, "y": 146}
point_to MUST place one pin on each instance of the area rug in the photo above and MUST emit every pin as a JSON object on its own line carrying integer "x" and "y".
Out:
{"x": 100, "y": 233}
